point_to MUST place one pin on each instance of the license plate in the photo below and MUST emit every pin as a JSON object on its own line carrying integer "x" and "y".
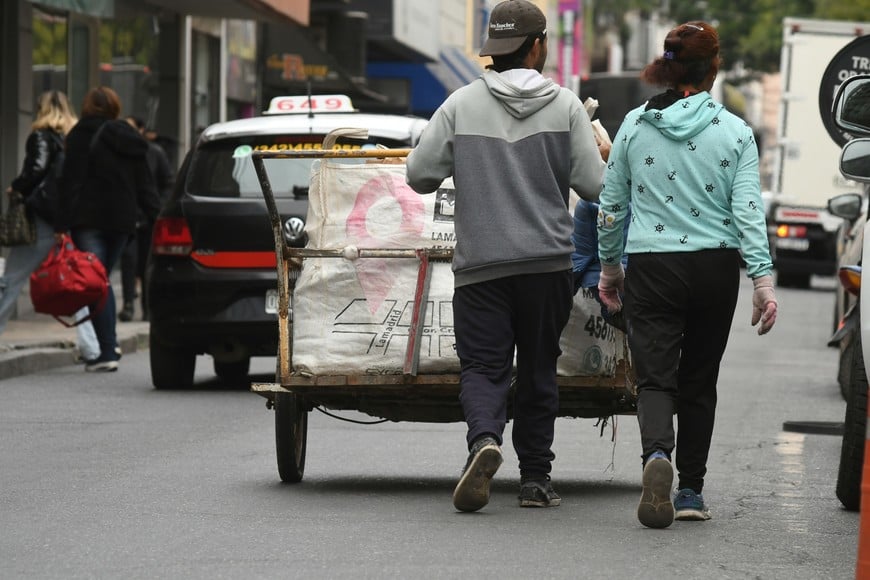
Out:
{"x": 271, "y": 301}
{"x": 796, "y": 244}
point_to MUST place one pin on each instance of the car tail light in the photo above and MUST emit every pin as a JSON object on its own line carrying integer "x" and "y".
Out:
{"x": 850, "y": 278}
{"x": 171, "y": 237}
{"x": 791, "y": 231}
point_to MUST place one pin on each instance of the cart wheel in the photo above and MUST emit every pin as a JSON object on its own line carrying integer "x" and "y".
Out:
{"x": 291, "y": 436}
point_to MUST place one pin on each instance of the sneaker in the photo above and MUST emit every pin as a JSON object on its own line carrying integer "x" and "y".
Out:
{"x": 538, "y": 493}
{"x": 101, "y": 366}
{"x": 655, "y": 509}
{"x": 472, "y": 491}
{"x": 690, "y": 506}
{"x": 126, "y": 314}
{"x": 80, "y": 359}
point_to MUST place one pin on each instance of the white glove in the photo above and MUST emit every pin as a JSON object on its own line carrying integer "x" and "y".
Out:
{"x": 763, "y": 304}
{"x": 610, "y": 285}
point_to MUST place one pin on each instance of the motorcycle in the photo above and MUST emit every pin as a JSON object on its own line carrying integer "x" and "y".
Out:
{"x": 851, "y": 113}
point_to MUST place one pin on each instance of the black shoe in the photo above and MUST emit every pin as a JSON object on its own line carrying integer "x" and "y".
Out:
{"x": 126, "y": 314}
{"x": 538, "y": 493}
{"x": 472, "y": 491}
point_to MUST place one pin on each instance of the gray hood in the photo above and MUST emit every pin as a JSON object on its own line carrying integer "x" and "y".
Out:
{"x": 521, "y": 101}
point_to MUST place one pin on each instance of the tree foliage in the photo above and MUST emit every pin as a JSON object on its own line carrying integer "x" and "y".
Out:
{"x": 750, "y": 31}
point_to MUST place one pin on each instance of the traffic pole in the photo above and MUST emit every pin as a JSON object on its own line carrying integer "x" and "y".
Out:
{"x": 862, "y": 570}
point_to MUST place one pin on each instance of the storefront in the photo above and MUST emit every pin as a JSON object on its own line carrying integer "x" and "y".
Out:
{"x": 172, "y": 68}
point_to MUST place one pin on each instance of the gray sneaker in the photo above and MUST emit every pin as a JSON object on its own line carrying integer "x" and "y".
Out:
{"x": 538, "y": 493}
{"x": 655, "y": 509}
{"x": 472, "y": 491}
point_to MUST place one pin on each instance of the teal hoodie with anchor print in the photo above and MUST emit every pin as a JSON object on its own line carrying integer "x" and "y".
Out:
{"x": 690, "y": 172}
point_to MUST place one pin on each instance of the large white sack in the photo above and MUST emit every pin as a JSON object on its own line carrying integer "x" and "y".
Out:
{"x": 352, "y": 317}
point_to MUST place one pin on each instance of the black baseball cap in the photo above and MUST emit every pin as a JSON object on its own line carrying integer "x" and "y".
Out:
{"x": 510, "y": 23}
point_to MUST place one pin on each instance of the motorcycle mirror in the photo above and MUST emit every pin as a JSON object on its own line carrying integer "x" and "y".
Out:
{"x": 852, "y": 105}
{"x": 846, "y": 205}
{"x": 855, "y": 160}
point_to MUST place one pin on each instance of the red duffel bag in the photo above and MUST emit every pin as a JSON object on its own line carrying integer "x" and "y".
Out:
{"x": 68, "y": 280}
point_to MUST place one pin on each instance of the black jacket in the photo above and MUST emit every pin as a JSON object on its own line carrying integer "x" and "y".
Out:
{"x": 106, "y": 180}
{"x": 37, "y": 158}
{"x": 41, "y": 153}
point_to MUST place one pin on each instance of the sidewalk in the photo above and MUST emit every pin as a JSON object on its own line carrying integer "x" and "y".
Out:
{"x": 35, "y": 342}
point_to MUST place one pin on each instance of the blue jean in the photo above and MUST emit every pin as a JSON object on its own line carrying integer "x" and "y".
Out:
{"x": 107, "y": 246}
{"x": 20, "y": 263}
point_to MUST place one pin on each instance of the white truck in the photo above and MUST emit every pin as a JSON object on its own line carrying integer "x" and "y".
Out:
{"x": 802, "y": 232}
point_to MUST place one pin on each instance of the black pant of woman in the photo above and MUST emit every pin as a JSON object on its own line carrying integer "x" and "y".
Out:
{"x": 680, "y": 307}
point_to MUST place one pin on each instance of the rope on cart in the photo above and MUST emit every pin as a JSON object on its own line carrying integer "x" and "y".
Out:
{"x": 334, "y": 416}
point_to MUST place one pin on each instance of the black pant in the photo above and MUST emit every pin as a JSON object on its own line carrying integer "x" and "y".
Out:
{"x": 490, "y": 318}
{"x": 128, "y": 270}
{"x": 679, "y": 308}
{"x": 133, "y": 262}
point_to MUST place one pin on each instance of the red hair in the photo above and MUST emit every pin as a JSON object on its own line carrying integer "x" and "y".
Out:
{"x": 691, "y": 55}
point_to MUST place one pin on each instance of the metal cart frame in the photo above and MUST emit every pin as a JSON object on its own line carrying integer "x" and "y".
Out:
{"x": 410, "y": 396}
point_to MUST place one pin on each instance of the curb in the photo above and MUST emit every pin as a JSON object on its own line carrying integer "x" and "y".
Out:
{"x": 31, "y": 358}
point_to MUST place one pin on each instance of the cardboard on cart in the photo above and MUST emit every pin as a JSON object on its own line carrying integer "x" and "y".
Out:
{"x": 353, "y": 316}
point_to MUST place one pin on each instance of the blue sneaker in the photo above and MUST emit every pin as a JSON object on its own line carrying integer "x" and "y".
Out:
{"x": 690, "y": 506}
{"x": 655, "y": 509}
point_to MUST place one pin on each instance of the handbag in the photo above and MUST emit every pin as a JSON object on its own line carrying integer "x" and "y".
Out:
{"x": 68, "y": 280}
{"x": 17, "y": 227}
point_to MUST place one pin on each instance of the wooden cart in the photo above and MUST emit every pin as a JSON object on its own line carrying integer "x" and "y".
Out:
{"x": 410, "y": 395}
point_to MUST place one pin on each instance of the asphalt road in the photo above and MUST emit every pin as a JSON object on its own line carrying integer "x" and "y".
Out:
{"x": 103, "y": 477}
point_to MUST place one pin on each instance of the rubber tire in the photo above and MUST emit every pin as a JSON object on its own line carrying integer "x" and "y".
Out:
{"x": 232, "y": 372}
{"x": 854, "y": 435}
{"x": 291, "y": 436}
{"x": 171, "y": 367}
{"x": 845, "y": 365}
{"x": 792, "y": 280}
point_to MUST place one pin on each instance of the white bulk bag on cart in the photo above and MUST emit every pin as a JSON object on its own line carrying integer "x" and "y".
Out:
{"x": 352, "y": 317}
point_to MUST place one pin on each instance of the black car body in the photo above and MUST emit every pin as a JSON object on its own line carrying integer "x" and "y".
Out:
{"x": 211, "y": 278}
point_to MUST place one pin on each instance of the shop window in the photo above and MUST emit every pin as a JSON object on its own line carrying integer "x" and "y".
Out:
{"x": 49, "y": 52}
{"x": 128, "y": 63}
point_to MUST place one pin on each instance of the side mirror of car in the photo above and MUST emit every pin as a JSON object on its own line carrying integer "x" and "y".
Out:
{"x": 851, "y": 106}
{"x": 855, "y": 160}
{"x": 846, "y": 206}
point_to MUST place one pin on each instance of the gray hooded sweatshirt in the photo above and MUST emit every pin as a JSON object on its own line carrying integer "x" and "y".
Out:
{"x": 514, "y": 143}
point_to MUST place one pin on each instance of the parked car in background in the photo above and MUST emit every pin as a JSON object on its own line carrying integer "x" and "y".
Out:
{"x": 851, "y": 112}
{"x": 210, "y": 278}
{"x": 852, "y": 207}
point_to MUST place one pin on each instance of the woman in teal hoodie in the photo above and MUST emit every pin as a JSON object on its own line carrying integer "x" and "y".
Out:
{"x": 689, "y": 169}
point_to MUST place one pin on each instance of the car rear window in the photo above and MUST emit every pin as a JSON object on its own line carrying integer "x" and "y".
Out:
{"x": 223, "y": 168}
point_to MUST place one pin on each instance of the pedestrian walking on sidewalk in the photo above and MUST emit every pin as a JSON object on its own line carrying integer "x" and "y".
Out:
{"x": 514, "y": 142}
{"x": 135, "y": 254}
{"x": 689, "y": 169}
{"x": 37, "y": 181}
{"x": 105, "y": 183}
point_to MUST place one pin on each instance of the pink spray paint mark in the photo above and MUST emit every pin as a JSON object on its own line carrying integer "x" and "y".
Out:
{"x": 374, "y": 274}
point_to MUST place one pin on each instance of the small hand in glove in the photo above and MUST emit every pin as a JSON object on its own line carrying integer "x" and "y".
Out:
{"x": 763, "y": 304}
{"x": 610, "y": 286}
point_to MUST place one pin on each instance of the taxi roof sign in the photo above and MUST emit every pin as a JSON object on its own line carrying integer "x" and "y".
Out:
{"x": 303, "y": 104}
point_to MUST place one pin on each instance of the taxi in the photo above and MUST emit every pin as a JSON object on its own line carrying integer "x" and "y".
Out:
{"x": 210, "y": 277}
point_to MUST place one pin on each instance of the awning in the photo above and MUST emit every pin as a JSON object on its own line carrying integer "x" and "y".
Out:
{"x": 267, "y": 10}
{"x": 430, "y": 83}
{"x": 263, "y": 10}
{"x": 97, "y": 8}
{"x": 454, "y": 69}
